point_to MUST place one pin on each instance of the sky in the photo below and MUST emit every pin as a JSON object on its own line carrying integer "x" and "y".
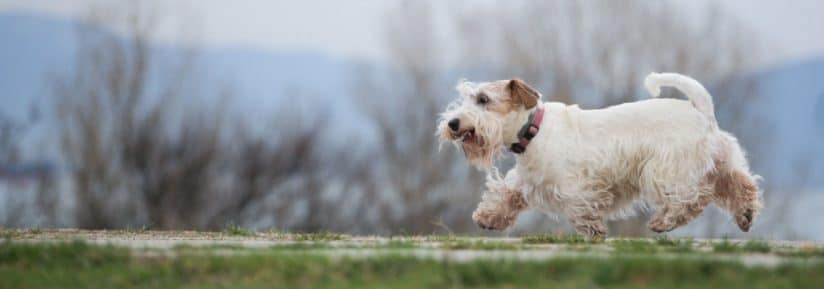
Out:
{"x": 791, "y": 29}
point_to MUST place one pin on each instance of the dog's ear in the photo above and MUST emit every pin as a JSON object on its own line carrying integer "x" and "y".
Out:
{"x": 522, "y": 93}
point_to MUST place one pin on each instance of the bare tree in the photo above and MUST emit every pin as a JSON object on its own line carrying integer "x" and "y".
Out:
{"x": 140, "y": 152}
{"x": 273, "y": 175}
{"x": 108, "y": 123}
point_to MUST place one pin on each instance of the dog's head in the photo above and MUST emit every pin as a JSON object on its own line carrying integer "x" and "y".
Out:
{"x": 486, "y": 117}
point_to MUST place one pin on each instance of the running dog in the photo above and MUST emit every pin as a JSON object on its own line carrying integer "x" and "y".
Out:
{"x": 594, "y": 165}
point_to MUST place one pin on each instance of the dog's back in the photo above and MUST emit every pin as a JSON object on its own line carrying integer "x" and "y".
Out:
{"x": 664, "y": 151}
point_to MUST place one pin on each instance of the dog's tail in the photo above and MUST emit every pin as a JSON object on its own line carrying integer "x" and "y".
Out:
{"x": 696, "y": 92}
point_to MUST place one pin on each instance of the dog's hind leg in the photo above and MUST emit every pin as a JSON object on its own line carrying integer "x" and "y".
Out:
{"x": 671, "y": 216}
{"x": 587, "y": 214}
{"x": 736, "y": 191}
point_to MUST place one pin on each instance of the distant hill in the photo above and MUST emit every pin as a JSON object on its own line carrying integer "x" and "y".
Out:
{"x": 791, "y": 102}
{"x": 31, "y": 48}
{"x": 35, "y": 46}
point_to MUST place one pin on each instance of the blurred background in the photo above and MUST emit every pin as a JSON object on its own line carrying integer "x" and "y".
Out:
{"x": 319, "y": 115}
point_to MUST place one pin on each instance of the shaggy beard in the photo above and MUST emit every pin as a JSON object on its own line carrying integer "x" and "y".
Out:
{"x": 488, "y": 143}
{"x": 480, "y": 155}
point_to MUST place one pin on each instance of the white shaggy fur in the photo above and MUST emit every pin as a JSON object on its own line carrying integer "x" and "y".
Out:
{"x": 591, "y": 165}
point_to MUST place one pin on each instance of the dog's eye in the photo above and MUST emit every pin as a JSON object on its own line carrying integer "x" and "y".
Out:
{"x": 483, "y": 99}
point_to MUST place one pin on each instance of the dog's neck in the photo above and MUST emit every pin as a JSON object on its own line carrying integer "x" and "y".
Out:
{"x": 528, "y": 130}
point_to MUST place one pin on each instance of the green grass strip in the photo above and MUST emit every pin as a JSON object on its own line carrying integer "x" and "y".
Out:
{"x": 78, "y": 265}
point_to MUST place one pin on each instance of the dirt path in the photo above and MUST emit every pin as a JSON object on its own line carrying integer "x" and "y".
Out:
{"x": 451, "y": 248}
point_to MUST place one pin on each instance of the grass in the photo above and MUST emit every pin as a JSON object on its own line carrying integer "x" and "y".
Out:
{"x": 756, "y": 246}
{"x": 803, "y": 252}
{"x": 237, "y": 231}
{"x": 725, "y": 246}
{"x": 309, "y": 261}
{"x": 234, "y": 230}
{"x": 751, "y": 246}
{"x": 78, "y": 265}
{"x": 557, "y": 239}
{"x": 320, "y": 236}
{"x": 684, "y": 245}
{"x": 441, "y": 238}
{"x": 9, "y": 234}
{"x": 301, "y": 246}
{"x": 186, "y": 248}
{"x": 479, "y": 245}
{"x": 401, "y": 244}
{"x": 634, "y": 246}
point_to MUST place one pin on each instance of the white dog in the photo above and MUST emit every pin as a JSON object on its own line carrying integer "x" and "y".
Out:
{"x": 592, "y": 165}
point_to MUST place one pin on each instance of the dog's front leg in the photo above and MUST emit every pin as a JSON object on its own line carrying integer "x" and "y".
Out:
{"x": 501, "y": 204}
{"x": 499, "y": 210}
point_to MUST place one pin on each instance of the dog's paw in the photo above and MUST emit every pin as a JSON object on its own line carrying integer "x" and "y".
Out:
{"x": 744, "y": 220}
{"x": 490, "y": 220}
{"x": 660, "y": 225}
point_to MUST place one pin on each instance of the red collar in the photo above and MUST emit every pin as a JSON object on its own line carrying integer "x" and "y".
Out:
{"x": 528, "y": 131}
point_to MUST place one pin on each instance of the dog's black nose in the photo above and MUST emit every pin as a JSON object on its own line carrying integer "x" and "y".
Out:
{"x": 454, "y": 124}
